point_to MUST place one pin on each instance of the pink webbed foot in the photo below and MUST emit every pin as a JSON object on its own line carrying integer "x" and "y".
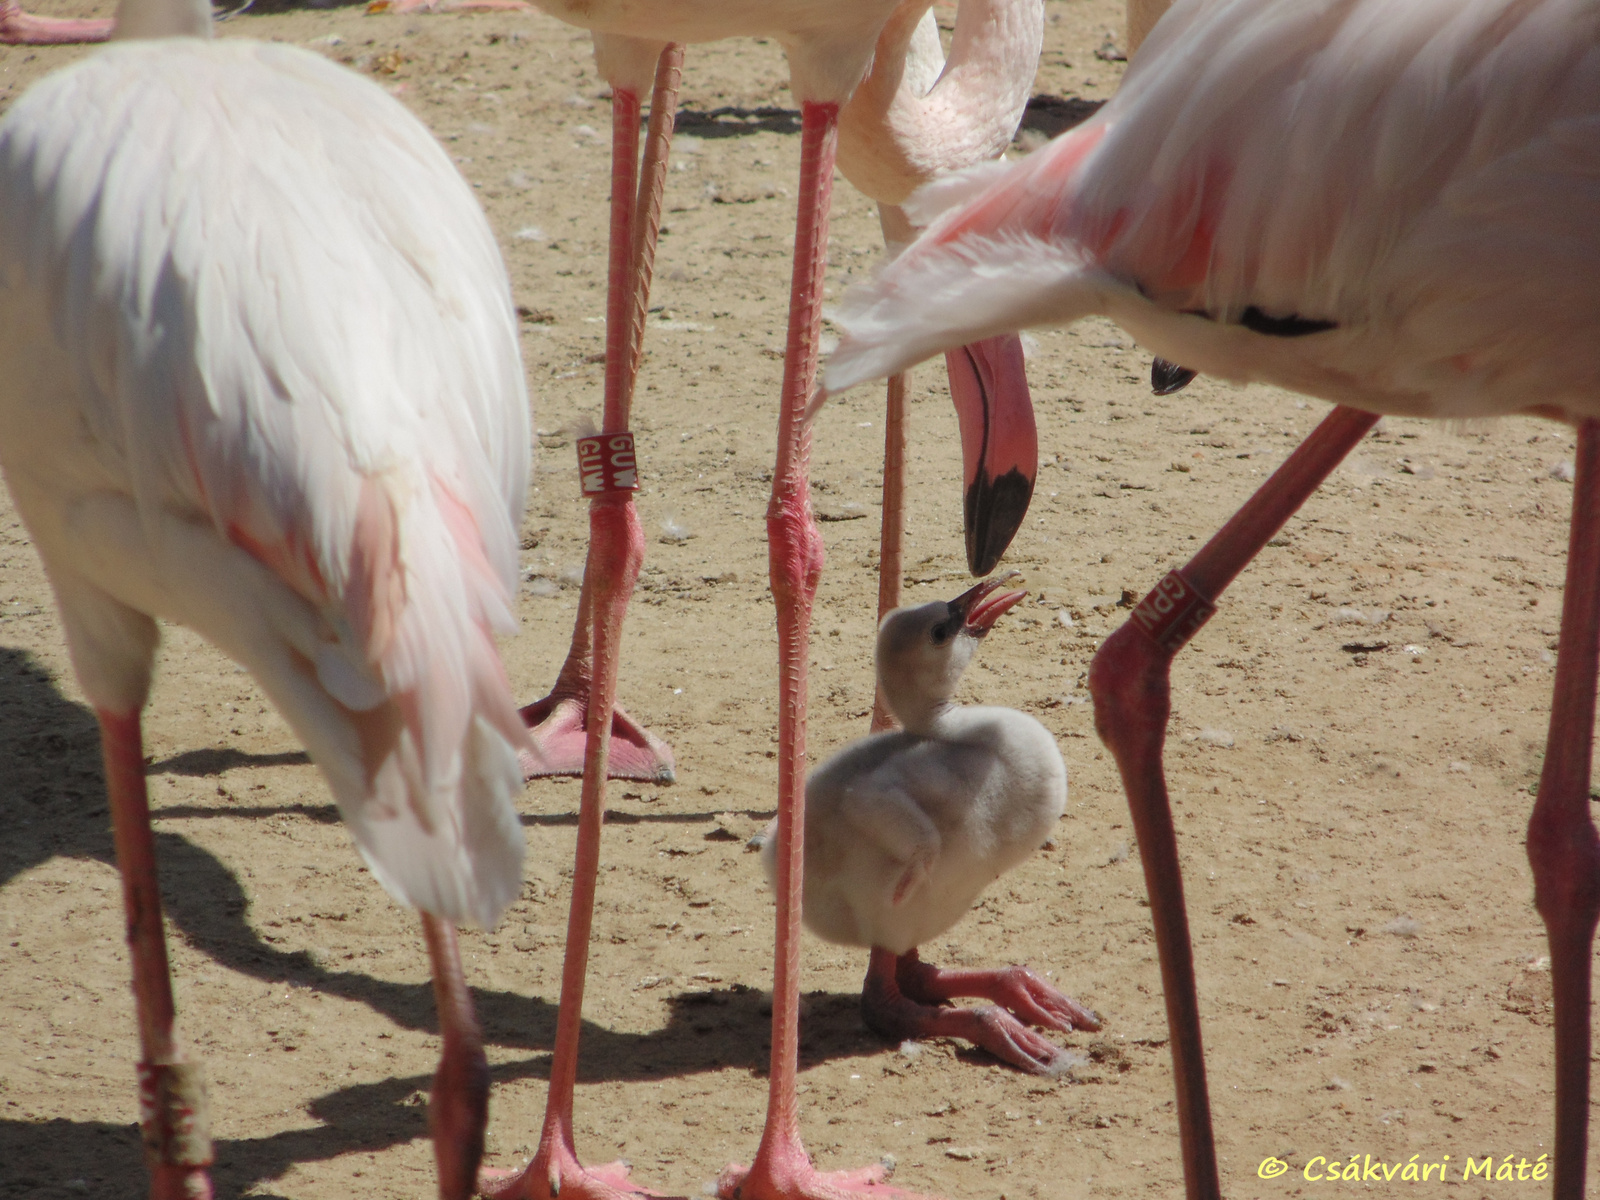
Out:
{"x": 789, "y": 1175}
{"x": 558, "y": 724}
{"x": 556, "y": 1171}
{"x": 1016, "y": 988}
{"x": 905, "y": 998}
{"x": 18, "y": 28}
{"x": 990, "y": 1027}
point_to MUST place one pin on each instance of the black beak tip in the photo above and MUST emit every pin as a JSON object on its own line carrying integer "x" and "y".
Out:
{"x": 985, "y": 556}
{"x": 994, "y": 512}
{"x": 1168, "y": 377}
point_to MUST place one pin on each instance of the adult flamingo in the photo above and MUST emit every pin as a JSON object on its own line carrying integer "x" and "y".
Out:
{"x": 267, "y": 385}
{"x": 915, "y": 117}
{"x": 912, "y": 118}
{"x": 1393, "y": 207}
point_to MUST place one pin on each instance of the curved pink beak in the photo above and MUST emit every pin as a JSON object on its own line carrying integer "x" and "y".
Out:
{"x": 980, "y": 607}
{"x": 999, "y": 443}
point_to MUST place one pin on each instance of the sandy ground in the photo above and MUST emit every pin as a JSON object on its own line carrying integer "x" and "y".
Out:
{"x": 1355, "y": 737}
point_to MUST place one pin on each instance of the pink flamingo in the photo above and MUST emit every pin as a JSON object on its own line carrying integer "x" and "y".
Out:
{"x": 914, "y": 118}
{"x": 1393, "y": 207}
{"x": 269, "y": 387}
{"x": 829, "y": 49}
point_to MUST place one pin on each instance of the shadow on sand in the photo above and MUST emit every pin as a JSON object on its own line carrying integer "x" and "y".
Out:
{"x": 53, "y": 804}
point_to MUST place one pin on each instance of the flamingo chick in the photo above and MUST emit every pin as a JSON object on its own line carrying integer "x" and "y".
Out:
{"x": 259, "y": 376}
{"x": 904, "y": 830}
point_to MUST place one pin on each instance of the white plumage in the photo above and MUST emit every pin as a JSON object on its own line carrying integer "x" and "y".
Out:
{"x": 1421, "y": 176}
{"x": 259, "y": 376}
{"x": 904, "y": 830}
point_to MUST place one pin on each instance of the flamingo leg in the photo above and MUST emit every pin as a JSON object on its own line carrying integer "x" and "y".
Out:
{"x": 616, "y": 545}
{"x": 616, "y": 551}
{"x": 560, "y": 719}
{"x": 172, "y": 1094}
{"x": 782, "y": 1170}
{"x": 458, "y": 1110}
{"x": 905, "y": 998}
{"x": 1129, "y": 680}
{"x": 18, "y": 28}
{"x": 891, "y": 539}
{"x": 652, "y": 188}
{"x": 1563, "y": 848}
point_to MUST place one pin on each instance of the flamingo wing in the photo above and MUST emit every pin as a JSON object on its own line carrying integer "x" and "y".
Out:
{"x": 1288, "y": 169}
{"x": 291, "y": 326}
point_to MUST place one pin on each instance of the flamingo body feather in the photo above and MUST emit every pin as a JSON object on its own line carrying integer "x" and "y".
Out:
{"x": 261, "y": 378}
{"x": 829, "y": 44}
{"x": 1423, "y": 181}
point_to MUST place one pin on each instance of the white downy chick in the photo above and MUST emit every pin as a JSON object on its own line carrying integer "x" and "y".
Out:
{"x": 904, "y": 830}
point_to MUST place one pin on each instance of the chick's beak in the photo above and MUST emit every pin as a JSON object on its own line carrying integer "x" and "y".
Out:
{"x": 980, "y": 607}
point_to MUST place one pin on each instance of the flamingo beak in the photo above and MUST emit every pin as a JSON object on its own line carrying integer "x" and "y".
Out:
{"x": 1168, "y": 377}
{"x": 999, "y": 443}
{"x": 980, "y": 607}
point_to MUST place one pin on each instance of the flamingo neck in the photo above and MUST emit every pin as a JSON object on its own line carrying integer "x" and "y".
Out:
{"x": 918, "y": 710}
{"x": 935, "y": 721}
{"x": 917, "y": 115}
{"x": 908, "y": 57}
{"x": 161, "y": 19}
{"x": 1142, "y": 18}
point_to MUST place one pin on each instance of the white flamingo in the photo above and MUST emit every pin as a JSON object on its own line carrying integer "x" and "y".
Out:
{"x": 1395, "y": 207}
{"x": 829, "y": 47}
{"x": 259, "y": 376}
{"x": 905, "y": 829}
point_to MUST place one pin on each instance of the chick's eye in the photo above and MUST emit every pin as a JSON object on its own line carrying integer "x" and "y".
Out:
{"x": 940, "y": 635}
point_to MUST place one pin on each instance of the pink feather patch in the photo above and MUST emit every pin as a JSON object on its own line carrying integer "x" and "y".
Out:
{"x": 376, "y": 596}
